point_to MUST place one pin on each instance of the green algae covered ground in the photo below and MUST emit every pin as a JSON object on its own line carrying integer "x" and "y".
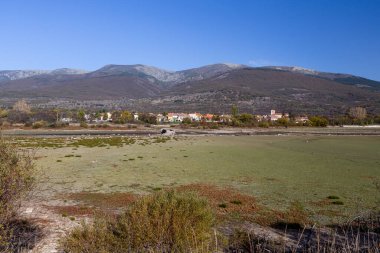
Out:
{"x": 331, "y": 176}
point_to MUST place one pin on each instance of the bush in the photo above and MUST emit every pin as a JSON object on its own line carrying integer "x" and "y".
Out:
{"x": 59, "y": 124}
{"x": 39, "y": 124}
{"x": 28, "y": 124}
{"x": 186, "y": 121}
{"x": 148, "y": 118}
{"x": 283, "y": 122}
{"x": 16, "y": 180}
{"x": 264, "y": 124}
{"x": 83, "y": 124}
{"x": 166, "y": 221}
{"x": 318, "y": 121}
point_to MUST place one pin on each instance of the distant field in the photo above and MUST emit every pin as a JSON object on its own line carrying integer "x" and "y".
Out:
{"x": 277, "y": 170}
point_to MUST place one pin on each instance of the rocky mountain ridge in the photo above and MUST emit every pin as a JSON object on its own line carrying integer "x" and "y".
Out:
{"x": 211, "y": 88}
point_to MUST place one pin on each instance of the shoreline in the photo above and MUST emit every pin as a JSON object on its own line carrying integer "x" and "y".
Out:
{"x": 155, "y": 131}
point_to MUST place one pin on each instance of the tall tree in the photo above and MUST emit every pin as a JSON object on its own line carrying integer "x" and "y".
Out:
{"x": 21, "y": 106}
{"x": 358, "y": 112}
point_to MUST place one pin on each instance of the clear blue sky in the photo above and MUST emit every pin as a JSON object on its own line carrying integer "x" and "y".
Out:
{"x": 328, "y": 35}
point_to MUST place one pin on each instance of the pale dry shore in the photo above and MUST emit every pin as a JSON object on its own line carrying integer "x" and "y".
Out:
{"x": 155, "y": 130}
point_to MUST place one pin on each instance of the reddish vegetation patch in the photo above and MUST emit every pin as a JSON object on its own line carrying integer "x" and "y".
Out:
{"x": 104, "y": 200}
{"x": 94, "y": 203}
{"x": 229, "y": 203}
{"x": 72, "y": 210}
{"x": 224, "y": 200}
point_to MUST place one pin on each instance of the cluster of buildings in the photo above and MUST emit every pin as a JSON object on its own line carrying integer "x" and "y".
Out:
{"x": 196, "y": 117}
{"x": 179, "y": 117}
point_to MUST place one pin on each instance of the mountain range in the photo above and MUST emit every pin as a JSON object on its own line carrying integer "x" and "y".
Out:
{"x": 211, "y": 88}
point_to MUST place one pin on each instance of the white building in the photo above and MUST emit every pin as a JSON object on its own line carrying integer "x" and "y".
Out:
{"x": 177, "y": 117}
{"x": 195, "y": 116}
{"x": 276, "y": 116}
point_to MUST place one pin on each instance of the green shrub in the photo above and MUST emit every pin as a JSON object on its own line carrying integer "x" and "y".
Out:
{"x": 28, "y": 124}
{"x": 83, "y": 124}
{"x": 166, "y": 221}
{"x": 264, "y": 124}
{"x": 186, "y": 121}
{"x": 39, "y": 124}
{"x": 59, "y": 124}
{"x": 333, "y": 197}
{"x": 318, "y": 121}
{"x": 222, "y": 205}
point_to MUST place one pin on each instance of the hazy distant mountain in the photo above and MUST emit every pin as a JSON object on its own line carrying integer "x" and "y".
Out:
{"x": 10, "y": 75}
{"x": 212, "y": 88}
{"x": 67, "y": 71}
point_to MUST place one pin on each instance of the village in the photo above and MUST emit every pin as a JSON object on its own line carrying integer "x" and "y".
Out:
{"x": 174, "y": 117}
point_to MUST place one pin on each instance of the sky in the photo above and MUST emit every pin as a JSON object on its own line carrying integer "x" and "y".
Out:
{"x": 335, "y": 36}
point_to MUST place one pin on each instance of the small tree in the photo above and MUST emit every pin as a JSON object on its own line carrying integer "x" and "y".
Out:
{"x": 3, "y": 113}
{"x": 15, "y": 116}
{"x": 283, "y": 122}
{"x": 21, "y": 106}
{"x": 148, "y": 118}
{"x": 81, "y": 115}
{"x": 215, "y": 118}
{"x": 126, "y": 116}
{"x": 234, "y": 111}
{"x": 246, "y": 118}
{"x": 358, "y": 113}
{"x": 318, "y": 121}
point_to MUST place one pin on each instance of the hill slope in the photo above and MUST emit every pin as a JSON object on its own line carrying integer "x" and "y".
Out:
{"x": 259, "y": 90}
{"x": 212, "y": 88}
{"x": 340, "y": 78}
